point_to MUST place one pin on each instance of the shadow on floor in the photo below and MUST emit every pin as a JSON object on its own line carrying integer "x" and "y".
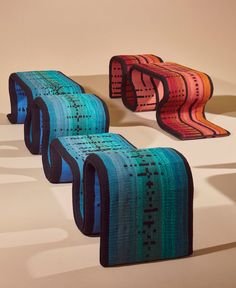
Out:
{"x": 218, "y": 166}
{"x": 225, "y": 183}
{"x": 18, "y": 149}
{"x": 25, "y": 193}
{"x": 120, "y": 116}
{"x": 4, "y": 119}
{"x": 222, "y": 105}
{"x": 98, "y": 84}
{"x": 214, "y": 249}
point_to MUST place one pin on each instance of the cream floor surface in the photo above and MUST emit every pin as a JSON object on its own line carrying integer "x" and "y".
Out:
{"x": 40, "y": 245}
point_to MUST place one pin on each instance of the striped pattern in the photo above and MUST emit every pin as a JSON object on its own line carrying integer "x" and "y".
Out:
{"x": 147, "y": 204}
{"x": 138, "y": 201}
{"x": 67, "y": 160}
{"x": 177, "y": 93}
{"x": 180, "y": 95}
{"x": 67, "y": 115}
{"x": 26, "y": 86}
{"x": 119, "y": 86}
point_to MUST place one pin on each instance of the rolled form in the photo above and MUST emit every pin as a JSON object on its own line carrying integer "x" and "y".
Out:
{"x": 26, "y": 86}
{"x": 67, "y": 161}
{"x": 145, "y": 201}
{"x": 179, "y": 94}
{"x": 119, "y": 84}
{"x": 64, "y": 115}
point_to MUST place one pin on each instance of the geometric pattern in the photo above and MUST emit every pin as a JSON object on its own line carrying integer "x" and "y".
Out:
{"x": 180, "y": 95}
{"x": 119, "y": 84}
{"x": 67, "y": 161}
{"x": 63, "y": 115}
{"x": 140, "y": 201}
{"x": 146, "y": 206}
{"x": 26, "y": 86}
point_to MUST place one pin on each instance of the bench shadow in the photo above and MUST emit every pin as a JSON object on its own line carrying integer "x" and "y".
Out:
{"x": 120, "y": 116}
{"x": 18, "y": 184}
{"x": 218, "y": 166}
{"x": 213, "y": 249}
{"x": 225, "y": 183}
{"x": 15, "y": 148}
{"x": 3, "y": 119}
{"x": 222, "y": 104}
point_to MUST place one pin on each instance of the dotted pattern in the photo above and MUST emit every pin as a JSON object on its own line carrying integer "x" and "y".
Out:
{"x": 69, "y": 115}
{"x": 21, "y": 104}
{"x": 150, "y": 206}
{"x": 35, "y": 84}
{"x": 78, "y": 148}
{"x": 180, "y": 95}
{"x": 118, "y": 75}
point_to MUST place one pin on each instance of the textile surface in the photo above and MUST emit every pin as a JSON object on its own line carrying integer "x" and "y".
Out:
{"x": 26, "y": 86}
{"x": 146, "y": 207}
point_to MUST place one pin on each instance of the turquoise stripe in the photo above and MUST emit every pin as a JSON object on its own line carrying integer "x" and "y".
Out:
{"x": 181, "y": 199}
{"x": 21, "y": 103}
{"x": 80, "y": 146}
{"x": 148, "y": 209}
{"x": 65, "y": 121}
{"x": 42, "y": 83}
{"x": 114, "y": 212}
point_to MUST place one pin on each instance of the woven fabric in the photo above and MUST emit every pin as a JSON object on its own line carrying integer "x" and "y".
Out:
{"x": 67, "y": 160}
{"x": 179, "y": 94}
{"x": 67, "y": 115}
{"x": 119, "y": 86}
{"x": 146, "y": 204}
{"x": 26, "y": 86}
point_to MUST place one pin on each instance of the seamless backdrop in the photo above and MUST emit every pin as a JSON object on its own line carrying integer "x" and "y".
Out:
{"x": 79, "y": 37}
{"x": 40, "y": 245}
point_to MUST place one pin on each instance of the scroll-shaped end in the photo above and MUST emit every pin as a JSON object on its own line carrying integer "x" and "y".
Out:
{"x": 146, "y": 204}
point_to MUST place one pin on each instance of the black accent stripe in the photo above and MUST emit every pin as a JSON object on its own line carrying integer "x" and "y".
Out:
{"x": 162, "y": 102}
{"x": 125, "y": 77}
{"x": 144, "y": 84}
{"x": 190, "y": 201}
{"x": 14, "y": 78}
{"x": 185, "y": 100}
{"x": 94, "y": 163}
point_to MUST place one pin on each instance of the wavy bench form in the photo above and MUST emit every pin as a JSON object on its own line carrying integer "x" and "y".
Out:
{"x": 67, "y": 160}
{"x": 145, "y": 204}
{"x": 26, "y": 86}
{"x": 119, "y": 84}
{"x": 177, "y": 93}
{"x": 139, "y": 201}
{"x": 67, "y": 115}
{"x": 181, "y": 94}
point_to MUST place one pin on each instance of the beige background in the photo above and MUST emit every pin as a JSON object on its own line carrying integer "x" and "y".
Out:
{"x": 39, "y": 243}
